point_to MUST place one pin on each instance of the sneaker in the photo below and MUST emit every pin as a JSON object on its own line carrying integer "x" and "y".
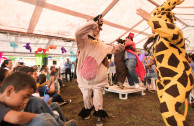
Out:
{"x": 70, "y": 123}
{"x": 65, "y": 102}
{"x": 99, "y": 122}
{"x": 152, "y": 91}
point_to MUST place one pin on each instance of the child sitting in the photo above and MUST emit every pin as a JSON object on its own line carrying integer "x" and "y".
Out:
{"x": 3, "y": 74}
{"x": 14, "y": 94}
{"x": 39, "y": 106}
{"x": 45, "y": 89}
{"x": 150, "y": 74}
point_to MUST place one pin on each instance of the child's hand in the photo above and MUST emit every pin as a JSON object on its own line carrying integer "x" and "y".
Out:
{"x": 50, "y": 101}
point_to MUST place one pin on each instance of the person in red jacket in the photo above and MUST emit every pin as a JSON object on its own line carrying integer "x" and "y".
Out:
{"x": 132, "y": 62}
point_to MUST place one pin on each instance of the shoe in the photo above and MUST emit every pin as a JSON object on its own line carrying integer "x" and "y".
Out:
{"x": 70, "y": 123}
{"x": 65, "y": 102}
{"x": 152, "y": 91}
{"x": 120, "y": 85}
{"x": 99, "y": 122}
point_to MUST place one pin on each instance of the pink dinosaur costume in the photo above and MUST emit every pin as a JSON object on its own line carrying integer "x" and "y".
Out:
{"x": 92, "y": 72}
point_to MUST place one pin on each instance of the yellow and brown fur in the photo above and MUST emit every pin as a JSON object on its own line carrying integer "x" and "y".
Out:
{"x": 174, "y": 75}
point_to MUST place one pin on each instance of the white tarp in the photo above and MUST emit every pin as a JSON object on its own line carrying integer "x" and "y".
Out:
{"x": 61, "y": 18}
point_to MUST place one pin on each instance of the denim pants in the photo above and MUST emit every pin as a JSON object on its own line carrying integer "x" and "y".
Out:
{"x": 131, "y": 75}
{"x": 44, "y": 119}
{"x": 148, "y": 78}
{"x": 37, "y": 105}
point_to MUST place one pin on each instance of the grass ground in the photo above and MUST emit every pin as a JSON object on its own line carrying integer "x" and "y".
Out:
{"x": 137, "y": 110}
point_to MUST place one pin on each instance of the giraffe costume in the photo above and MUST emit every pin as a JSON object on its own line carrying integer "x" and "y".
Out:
{"x": 174, "y": 75}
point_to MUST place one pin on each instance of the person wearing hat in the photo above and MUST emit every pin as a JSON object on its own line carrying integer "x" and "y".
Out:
{"x": 92, "y": 67}
{"x": 174, "y": 74}
{"x": 134, "y": 66}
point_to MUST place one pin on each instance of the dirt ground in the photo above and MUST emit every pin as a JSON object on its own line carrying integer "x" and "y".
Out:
{"x": 137, "y": 110}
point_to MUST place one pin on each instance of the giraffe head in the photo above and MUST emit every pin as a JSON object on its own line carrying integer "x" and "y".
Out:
{"x": 164, "y": 11}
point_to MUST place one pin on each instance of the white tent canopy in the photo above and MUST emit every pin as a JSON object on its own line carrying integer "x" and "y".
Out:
{"x": 54, "y": 22}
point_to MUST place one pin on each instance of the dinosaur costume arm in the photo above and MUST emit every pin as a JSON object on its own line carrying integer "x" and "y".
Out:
{"x": 113, "y": 49}
{"x": 82, "y": 33}
{"x": 166, "y": 30}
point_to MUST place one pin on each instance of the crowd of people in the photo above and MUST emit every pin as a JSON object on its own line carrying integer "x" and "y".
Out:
{"x": 31, "y": 95}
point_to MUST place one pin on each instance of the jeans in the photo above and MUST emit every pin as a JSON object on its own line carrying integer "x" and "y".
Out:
{"x": 148, "y": 78}
{"x": 43, "y": 119}
{"x": 37, "y": 105}
{"x": 131, "y": 75}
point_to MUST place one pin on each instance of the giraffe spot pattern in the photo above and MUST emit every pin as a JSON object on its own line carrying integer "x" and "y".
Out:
{"x": 170, "y": 26}
{"x": 160, "y": 87}
{"x": 163, "y": 13}
{"x": 186, "y": 56}
{"x": 156, "y": 24}
{"x": 157, "y": 73}
{"x": 176, "y": 48}
{"x": 173, "y": 60}
{"x": 165, "y": 72}
{"x": 169, "y": 3}
{"x": 183, "y": 47}
{"x": 191, "y": 79}
{"x": 171, "y": 121}
{"x": 160, "y": 58}
{"x": 187, "y": 94}
{"x": 177, "y": 105}
{"x": 180, "y": 41}
{"x": 163, "y": 107}
{"x": 187, "y": 66}
{"x": 168, "y": 15}
{"x": 161, "y": 47}
{"x": 183, "y": 79}
{"x": 166, "y": 82}
{"x": 173, "y": 91}
{"x": 166, "y": 39}
{"x": 175, "y": 36}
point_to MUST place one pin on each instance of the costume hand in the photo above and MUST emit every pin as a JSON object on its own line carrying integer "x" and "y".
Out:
{"x": 99, "y": 20}
{"x": 144, "y": 14}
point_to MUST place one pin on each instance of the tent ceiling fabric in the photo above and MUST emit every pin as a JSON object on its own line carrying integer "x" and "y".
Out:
{"x": 61, "y": 18}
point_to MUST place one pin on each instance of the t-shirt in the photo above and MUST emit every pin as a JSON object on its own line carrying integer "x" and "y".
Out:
{"x": 3, "y": 110}
{"x": 129, "y": 55}
{"x": 43, "y": 91}
{"x": 68, "y": 65}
